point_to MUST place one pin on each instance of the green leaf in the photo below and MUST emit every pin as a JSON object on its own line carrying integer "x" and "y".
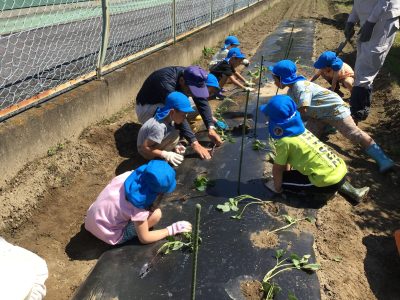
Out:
{"x": 305, "y": 259}
{"x": 311, "y": 267}
{"x": 337, "y": 258}
{"x": 268, "y": 286}
{"x": 224, "y": 207}
{"x": 294, "y": 256}
{"x": 291, "y": 296}
{"x": 177, "y": 245}
{"x": 170, "y": 238}
{"x": 310, "y": 219}
{"x": 238, "y": 217}
{"x": 279, "y": 253}
{"x": 296, "y": 263}
{"x": 288, "y": 219}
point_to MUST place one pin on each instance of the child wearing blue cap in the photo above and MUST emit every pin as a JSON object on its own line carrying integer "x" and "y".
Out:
{"x": 125, "y": 208}
{"x": 334, "y": 70}
{"x": 319, "y": 107}
{"x": 159, "y": 137}
{"x": 226, "y": 69}
{"x": 303, "y": 163}
{"x": 230, "y": 42}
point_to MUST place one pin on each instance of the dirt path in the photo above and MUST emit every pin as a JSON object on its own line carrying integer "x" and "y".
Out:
{"x": 353, "y": 244}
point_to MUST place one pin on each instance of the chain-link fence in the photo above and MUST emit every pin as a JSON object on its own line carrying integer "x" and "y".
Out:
{"x": 47, "y": 46}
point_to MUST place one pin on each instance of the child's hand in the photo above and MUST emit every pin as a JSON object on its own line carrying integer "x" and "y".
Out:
{"x": 179, "y": 227}
{"x": 180, "y": 149}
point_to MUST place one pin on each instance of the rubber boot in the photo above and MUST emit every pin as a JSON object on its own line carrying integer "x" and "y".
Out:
{"x": 354, "y": 193}
{"x": 360, "y": 102}
{"x": 377, "y": 154}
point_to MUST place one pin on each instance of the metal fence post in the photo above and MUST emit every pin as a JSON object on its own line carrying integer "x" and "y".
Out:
{"x": 211, "y": 11}
{"x": 233, "y": 8}
{"x": 174, "y": 19}
{"x": 248, "y": 3}
{"x": 105, "y": 32}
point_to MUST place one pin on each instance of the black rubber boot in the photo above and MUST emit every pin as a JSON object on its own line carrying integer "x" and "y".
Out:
{"x": 360, "y": 102}
{"x": 356, "y": 194}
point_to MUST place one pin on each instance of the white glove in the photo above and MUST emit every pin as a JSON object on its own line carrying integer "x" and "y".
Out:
{"x": 249, "y": 83}
{"x": 174, "y": 158}
{"x": 180, "y": 149}
{"x": 249, "y": 89}
{"x": 271, "y": 186}
{"x": 179, "y": 227}
{"x": 245, "y": 62}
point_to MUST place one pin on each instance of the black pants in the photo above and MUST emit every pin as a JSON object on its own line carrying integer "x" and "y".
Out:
{"x": 294, "y": 181}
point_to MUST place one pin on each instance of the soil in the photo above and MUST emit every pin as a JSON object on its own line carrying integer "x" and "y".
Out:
{"x": 264, "y": 239}
{"x": 251, "y": 290}
{"x": 354, "y": 244}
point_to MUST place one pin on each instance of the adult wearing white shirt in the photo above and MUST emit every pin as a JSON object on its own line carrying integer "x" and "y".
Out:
{"x": 379, "y": 21}
{"x": 22, "y": 273}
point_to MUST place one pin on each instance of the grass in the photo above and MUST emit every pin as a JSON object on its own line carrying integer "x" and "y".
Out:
{"x": 343, "y": 6}
{"x": 393, "y": 59}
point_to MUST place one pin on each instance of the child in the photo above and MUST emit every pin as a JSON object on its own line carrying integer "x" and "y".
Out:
{"x": 316, "y": 168}
{"x": 226, "y": 69}
{"x": 230, "y": 42}
{"x": 158, "y": 137}
{"x": 125, "y": 208}
{"x": 334, "y": 70}
{"x": 319, "y": 107}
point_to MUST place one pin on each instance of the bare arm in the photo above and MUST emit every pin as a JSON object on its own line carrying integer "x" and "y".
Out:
{"x": 145, "y": 236}
{"x": 236, "y": 82}
{"x": 316, "y": 76}
{"x": 238, "y": 75}
{"x": 148, "y": 149}
{"x": 277, "y": 173}
{"x": 335, "y": 80}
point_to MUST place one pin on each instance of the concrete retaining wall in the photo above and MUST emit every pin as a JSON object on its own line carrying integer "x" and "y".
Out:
{"x": 29, "y": 135}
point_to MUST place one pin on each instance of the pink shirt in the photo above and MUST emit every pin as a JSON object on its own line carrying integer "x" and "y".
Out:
{"x": 107, "y": 217}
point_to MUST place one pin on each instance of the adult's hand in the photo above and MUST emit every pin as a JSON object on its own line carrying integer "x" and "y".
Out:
{"x": 180, "y": 149}
{"x": 366, "y": 31}
{"x": 199, "y": 149}
{"x": 214, "y": 137}
{"x": 349, "y": 30}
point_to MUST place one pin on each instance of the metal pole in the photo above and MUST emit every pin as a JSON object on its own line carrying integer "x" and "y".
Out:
{"x": 248, "y": 3}
{"x": 287, "y": 51}
{"x": 174, "y": 20}
{"x": 195, "y": 237}
{"x": 211, "y": 11}
{"x": 243, "y": 135}
{"x": 233, "y": 8}
{"x": 258, "y": 95}
{"x": 105, "y": 32}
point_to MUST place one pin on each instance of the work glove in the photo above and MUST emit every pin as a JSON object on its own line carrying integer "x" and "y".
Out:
{"x": 179, "y": 227}
{"x": 271, "y": 186}
{"x": 221, "y": 125}
{"x": 249, "y": 83}
{"x": 248, "y": 89}
{"x": 174, "y": 158}
{"x": 245, "y": 62}
{"x": 180, "y": 149}
{"x": 366, "y": 31}
{"x": 349, "y": 30}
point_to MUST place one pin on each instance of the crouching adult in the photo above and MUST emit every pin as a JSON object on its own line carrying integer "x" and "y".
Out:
{"x": 190, "y": 81}
{"x": 127, "y": 207}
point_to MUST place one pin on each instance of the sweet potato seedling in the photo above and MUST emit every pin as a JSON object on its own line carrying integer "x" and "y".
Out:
{"x": 291, "y": 221}
{"x": 291, "y": 262}
{"x": 258, "y": 145}
{"x": 256, "y": 73}
{"x": 202, "y": 182}
{"x": 184, "y": 242}
{"x": 233, "y": 205}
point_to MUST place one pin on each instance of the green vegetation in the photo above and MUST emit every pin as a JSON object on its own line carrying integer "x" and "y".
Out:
{"x": 53, "y": 150}
{"x": 393, "y": 59}
{"x": 233, "y": 205}
{"x": 208, "y": 52}
{"x": 291, "y": 221}
{"x": 202, "y": 182}
{"x": 183, "y": 242}
{"x": 258, "y": 145}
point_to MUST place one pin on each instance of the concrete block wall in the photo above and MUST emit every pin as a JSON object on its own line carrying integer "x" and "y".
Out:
{"x": 29, "y": 135}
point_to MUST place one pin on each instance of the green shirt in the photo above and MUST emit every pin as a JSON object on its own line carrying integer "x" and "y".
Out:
{"x": 308, "y": 155}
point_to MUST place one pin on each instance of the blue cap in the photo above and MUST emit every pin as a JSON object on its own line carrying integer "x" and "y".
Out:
{"x": 284, "y": 119}
{"x": 286, "y": 71}
{"x": 234, "y": 52}
{"x": 329, "y": 59}
{"x": 195, "y": 78}
{"x": 231, "y": 40}
{"x": 175, "y": 100}
{"x": 147, "y": 181}
{"x": 212, "y": 81}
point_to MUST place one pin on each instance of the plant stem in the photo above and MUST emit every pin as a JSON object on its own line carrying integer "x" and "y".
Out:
{"x": 195, "y": 236}
{"x": 286, "y": 226}
{"x": 243, "y": 209}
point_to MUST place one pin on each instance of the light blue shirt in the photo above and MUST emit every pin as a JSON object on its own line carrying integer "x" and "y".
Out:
{"x": 320, "y": 102}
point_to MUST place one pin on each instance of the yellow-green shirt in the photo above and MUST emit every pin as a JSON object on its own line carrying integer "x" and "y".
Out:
{"x": 311, "y": 157}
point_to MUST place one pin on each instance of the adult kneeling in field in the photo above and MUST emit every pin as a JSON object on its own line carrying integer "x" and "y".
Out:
{"x": 159, "y": 136}
{"x": 126, "y": 207}
{"x": 303, "y": 163}
{"x": 190, "y": 81}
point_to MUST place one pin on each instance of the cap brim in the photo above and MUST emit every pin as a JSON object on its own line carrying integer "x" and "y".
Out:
{"x": 263, "y": 108}
{"x": 271, "y": 68}
{"x": 291, "y": 80}
{"x": 319, "y": 64}
{"x": 199, "y": 92}
{"x": 187, "y": 109}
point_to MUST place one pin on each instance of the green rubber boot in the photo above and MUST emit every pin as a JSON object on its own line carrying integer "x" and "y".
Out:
{"x": 356, "y": 194}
